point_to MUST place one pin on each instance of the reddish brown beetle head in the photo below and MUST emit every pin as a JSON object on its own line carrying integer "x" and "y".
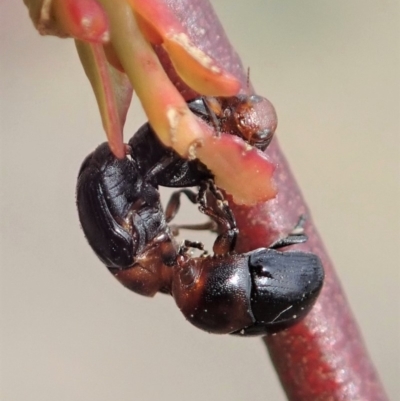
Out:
{"x": 255, "y": 119}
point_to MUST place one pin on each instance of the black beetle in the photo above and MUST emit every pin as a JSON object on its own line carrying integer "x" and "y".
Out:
{"x": 236, "y": 115}
{"x": 119, "y": 207}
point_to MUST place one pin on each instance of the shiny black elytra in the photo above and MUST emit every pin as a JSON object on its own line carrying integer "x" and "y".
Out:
{"x": 119, "y": 207}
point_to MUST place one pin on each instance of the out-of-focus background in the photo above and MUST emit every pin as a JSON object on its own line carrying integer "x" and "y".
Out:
{"x": 71, "y": 332}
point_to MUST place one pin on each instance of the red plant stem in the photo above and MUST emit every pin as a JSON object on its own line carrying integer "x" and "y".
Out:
{"x": 323, "y": 357}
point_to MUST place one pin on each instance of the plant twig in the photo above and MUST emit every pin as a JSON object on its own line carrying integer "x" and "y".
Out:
{"x": 323, "y": 357}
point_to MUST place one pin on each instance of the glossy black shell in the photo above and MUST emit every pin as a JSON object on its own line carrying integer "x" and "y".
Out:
{"x": 149, "y": 152}
{"x": 259, "y": 292}
{"x": 120, "y": 212}
{"x": 285, "y": 286}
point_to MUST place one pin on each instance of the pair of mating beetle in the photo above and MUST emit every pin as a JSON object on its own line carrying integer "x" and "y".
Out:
{"x": 119, "y": 207}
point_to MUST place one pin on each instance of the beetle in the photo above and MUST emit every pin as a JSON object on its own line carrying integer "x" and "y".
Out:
{"x": 251, "y": 117}
{"x": 237, "y": 115}
{"x": 258, "y": 292}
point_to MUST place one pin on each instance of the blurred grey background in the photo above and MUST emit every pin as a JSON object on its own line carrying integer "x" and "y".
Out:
{"x": 71, "y": 332}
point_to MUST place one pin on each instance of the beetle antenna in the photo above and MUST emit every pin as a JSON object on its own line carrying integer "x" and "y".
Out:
{"x": 248, "y": 80}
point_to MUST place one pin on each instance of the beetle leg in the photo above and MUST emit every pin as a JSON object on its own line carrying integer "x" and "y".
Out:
{"x": 222, "y": 215}
{"x": 291, "y": 239}
{"x": 209, "y": 225}
{"x": 160, "y": 166}
{"x": 187, "y": 244}
{"x": 174, "y": 203}
{"x": 194, "y": 244}
{"x": 219, "y": 212}
{"x": 225, "y": 242}
{"x": 222, "y": 203}
{"x": 299, "y": 227}
{"x": 296, "y": 236}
